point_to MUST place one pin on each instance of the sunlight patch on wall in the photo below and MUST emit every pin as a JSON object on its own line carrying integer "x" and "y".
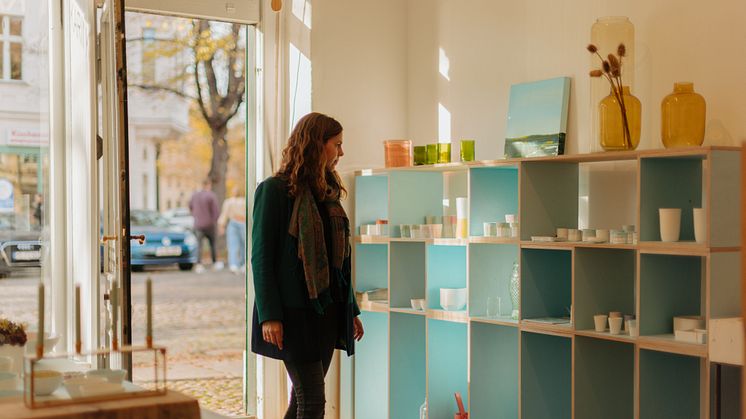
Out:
{"x": 444, "y": 124}
{"x": 300, "y": 85}
{"x": 302, "y": 10}
{"x": 444, "y": 64}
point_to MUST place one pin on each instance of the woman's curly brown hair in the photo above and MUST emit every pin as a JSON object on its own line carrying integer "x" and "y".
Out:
{"x": 304, "y": 162}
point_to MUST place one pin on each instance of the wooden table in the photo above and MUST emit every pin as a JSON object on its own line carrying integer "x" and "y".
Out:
{"x": 172, "y": 405}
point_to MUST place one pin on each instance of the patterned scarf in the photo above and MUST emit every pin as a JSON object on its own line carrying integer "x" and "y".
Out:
{"x": 307, "y": 226}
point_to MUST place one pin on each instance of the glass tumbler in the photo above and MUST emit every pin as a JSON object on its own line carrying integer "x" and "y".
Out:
{"x": 420, "y": 155}
{"x": 467, "y": 150}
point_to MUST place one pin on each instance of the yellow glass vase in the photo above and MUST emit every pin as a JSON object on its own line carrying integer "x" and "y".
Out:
{"x": 683, "y": 117}
{"x": 613, "y": 134}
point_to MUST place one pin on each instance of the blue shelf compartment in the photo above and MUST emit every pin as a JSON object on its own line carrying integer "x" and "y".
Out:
{"x": 604, "y": 379}
{"x": 490, "y": 268}
{"x": 607, "y": 194}
{"x": 549, "y": 197}
{"x": 371, "y": 266}
{"x": 407, "y": 273}
{"x": 546, "y": 282}
{"x": 605, "y": 280}
{"x": 446, "y": 268}
{"x": 493, "y": 192}
{"x": 546, "y": 376}
{"x": 371, "y": 200}
{"x": 447, "y": 344}
{"x": 493, "y": 371}
{"x": 669, "y": 286}
{"x": 670, "y": 182}
{"x": 372, "y": 367}
{"x": 670, "y": 385}
{"x": 408, "y": 375}
{"x": 412, "y": 196}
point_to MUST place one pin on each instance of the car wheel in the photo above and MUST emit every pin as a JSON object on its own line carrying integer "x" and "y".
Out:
{"x": 186, "y": 266}
{"x": 138, "y": 268}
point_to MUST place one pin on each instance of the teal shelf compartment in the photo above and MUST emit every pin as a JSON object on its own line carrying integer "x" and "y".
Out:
{"x": 669, "y": 286}
{"x": 549, "y": 198}
{"x": 725, "y": 189}
{"x": 669, "y": 386}
{"x": 447, "y": 366}
{"x": 730, "y": 387}
{"x": 371, "y": 367}
{"x": 604, "y": 282}
{"x": 371, "y": 199}
{"x": 408, "y": 375}
{"x": 407, "y": 273}
{"x": 446, "y": 268}
{"x": 546, "y": 283}
{"x": 494, "y": 371}
{"x": 490, "y": 267}
{"x": 669, "y": 183}
{"x": 371, "y": 266}
{"x": 413, "y": 196}
{"x": 604, "y": 379}
{"x": 494, "y": 193}
{"x": 546, "y": 376}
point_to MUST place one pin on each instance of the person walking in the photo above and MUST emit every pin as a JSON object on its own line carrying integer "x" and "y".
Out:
{"x": 300, "y": 257}
{"x": 232, "y": 223}
{"x": 204, "y": 208}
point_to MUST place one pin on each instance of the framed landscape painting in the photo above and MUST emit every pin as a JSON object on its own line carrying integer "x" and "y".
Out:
{"x": 537, "y": 118}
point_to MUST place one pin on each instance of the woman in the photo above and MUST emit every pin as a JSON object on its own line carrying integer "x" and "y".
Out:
{"x": 232, "y": 223}
{"x": 305, "y": 306}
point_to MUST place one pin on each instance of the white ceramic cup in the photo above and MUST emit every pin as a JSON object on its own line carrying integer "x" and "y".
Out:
{"x": 670, "y": 220}
{"x": 615, "y": 325}
{"x": 487, "y": 229}
{"x": 602, "y": 235}
{"x": 562, "y": 233}
{"x": 632, "y": 328}
{"x": 573, "y": 235}
{"x": 600, "y": 322}
{"x": 588, "y": 234}
{"x": 700, "y": 225}
{"x": 509, "y": 218}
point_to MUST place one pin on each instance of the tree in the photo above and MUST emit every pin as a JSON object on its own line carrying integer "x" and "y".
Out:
{"x": 213, "y": 77}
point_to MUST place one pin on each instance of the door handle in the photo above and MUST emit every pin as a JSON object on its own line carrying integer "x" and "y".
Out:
{"x": 105, "y": 239}
{"x": 140, "y": 238}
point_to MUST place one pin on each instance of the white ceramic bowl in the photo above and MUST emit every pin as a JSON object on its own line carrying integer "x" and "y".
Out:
{"x": 8, "y": 381}
{"x": 46, "y": 382}
{"x": 74, "y": 385}
{"x": 112, "y": 376}
{"x": 453, "y": 299}
{"x": 50, "y": 341}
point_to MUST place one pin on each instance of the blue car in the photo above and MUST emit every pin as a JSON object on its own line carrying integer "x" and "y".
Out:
{"x": 165, "y": 243}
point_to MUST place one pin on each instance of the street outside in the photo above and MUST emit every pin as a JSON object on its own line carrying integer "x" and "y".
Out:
{"x": 199, "y": 318}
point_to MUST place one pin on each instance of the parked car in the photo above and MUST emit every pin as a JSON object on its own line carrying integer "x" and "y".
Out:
{"x": 18, "y": 248}
{"x": 165, "y": 243}
{"x": 180, "y": 217}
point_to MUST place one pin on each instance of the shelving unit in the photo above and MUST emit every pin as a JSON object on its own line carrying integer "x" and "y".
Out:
{"x": 511, "y": 368}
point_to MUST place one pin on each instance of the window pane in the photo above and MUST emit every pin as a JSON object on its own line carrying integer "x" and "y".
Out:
{"x": 16, "y": 59}
{"x": 24, "y": 163}
{"x": 16, "y": 26}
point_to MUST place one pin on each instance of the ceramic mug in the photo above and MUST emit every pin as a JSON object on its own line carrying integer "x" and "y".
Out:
{"x": 670, "y": 223}
{"x": 599, "y": 321}
{"x": 615, "y": 325}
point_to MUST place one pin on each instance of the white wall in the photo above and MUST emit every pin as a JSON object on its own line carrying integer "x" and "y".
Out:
{"x": 375, "y": 65}
{"x": 358, "y": 53}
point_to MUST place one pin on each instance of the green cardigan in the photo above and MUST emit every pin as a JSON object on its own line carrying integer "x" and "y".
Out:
{"x": 279, "y": 279}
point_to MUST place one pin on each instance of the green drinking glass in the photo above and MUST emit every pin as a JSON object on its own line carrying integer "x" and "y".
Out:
{"x": 432, "y": 153}
{"x": 467, "y": 150}
{"x": 444, "y": 152}
{"x": 420, "y": 155}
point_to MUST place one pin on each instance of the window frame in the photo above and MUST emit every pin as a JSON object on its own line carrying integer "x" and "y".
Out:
{"x": 7, "y": 40}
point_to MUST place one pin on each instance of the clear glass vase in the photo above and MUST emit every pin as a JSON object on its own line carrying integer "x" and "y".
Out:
{"x": 606, "y": 34}
{"x": 514, "y": 288}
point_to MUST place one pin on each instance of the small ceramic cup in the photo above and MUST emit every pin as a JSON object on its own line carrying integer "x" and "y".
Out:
{"x": 599, "y": 321}
{"x": 602, "y": 235}
{"x": 615, "y": 325}
{"x": 562, "y": 233}
{"x": 632, "y": 328}
{"x": 573, "y": 235}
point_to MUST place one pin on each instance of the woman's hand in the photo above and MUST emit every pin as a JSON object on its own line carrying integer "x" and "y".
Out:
{"x": 357, "y": 329}
{"x": 272, "y": 332}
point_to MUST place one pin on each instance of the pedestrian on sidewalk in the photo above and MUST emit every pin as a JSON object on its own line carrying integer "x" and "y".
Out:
{"x": 232, "y": 223}
{"x": 204, "y": 208}
{"x": 300, "y": 256}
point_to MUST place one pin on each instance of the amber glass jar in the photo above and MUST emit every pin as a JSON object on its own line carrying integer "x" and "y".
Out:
{"x": 683, "y": 117}
{"x": 612, "y": 132}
